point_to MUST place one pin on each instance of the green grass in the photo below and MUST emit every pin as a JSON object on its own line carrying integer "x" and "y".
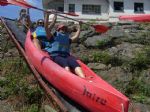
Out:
{"x": 85, "y": 59}
{"x": 31, "y": 108}
{"x": 103, "y": 43}
{"x": 105, "y": 58}
{"x": 140, "y": 38}
{"x": 16, "y": 72}
{"x": 140, "y": 62}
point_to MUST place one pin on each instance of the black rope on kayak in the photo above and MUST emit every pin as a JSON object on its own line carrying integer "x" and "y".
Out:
{"x": 43, "y": 59}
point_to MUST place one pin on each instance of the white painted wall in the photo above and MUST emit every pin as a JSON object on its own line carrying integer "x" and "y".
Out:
{"x": 129, "y": 7}
{"x": 78, "y": 8}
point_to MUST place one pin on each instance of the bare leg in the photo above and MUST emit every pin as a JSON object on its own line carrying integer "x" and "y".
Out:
{"x": 37, "y": 43}
{"x": 79, "y": 72}
{"x": 67, "y": 68}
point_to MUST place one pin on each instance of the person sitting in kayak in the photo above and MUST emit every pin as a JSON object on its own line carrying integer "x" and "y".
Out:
{"x": 59, "y": 49}
{"x": 40, "y": 38}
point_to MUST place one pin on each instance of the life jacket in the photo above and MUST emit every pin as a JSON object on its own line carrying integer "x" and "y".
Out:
{"x": 60, "y": 45}
{"x": 40, "y": 33}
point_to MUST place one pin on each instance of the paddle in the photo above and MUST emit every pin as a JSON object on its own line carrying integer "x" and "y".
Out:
{"x": 3, "y": 3}
{"x": 98, "y": 28}
{"x": 23, "y": 3}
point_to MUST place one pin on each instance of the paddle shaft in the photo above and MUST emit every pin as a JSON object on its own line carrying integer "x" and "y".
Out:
{"x": 98, "y": 28}
{"x": 57, "y": 14}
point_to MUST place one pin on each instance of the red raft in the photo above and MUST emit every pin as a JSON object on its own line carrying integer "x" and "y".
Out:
{"x": 92, "y": 93}
{"x": 136, "y": 18}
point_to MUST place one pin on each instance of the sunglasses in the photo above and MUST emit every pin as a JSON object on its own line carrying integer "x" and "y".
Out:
{"x": 40, "y": 23}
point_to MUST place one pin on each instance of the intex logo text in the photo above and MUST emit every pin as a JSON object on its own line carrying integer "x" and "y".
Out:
{"x": 94, "y": 97}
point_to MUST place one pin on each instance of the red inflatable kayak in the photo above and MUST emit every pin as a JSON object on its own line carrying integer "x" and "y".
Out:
{"x": 92, "y": 93}
{"x": 136, "y": 18}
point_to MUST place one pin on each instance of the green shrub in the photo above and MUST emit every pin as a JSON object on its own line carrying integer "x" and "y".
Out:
{"x": 139, "y": 98}
{"x": 84, "y": 27}
{"x": 31, "y": 108}
{"x": 140, "y": 62}
{"x": 116, "y": 61}
{"x": 107, "y": 59}
{"x": 140, "y": 38}
{"x": 85, "y": 59}
{"x": 16, "y": 71}
{"x": 138, "y": 88}
{"x": 102, "y": 43}
{"x": 92, "y": 21}
{"x": 34, "y": 95}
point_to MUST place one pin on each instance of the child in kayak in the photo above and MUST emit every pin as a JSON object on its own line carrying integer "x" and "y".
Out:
{"x": 40, "y": 38}
{"x": 39, "y": 34}
{"x": 59, "y": 49}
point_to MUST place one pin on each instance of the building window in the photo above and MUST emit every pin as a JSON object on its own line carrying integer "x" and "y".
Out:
{"x": 91, "y": 9}
{"x": 118, "y": 6}
{"x": 60, "y": 9}
{"x": 72, "y": 8}
{"x": 138, "y": 7}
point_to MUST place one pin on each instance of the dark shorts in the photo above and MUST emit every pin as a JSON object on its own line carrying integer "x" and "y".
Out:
{"x": 66, "y": 61}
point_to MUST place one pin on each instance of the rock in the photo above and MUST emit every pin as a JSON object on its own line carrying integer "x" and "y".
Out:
{"x": 130, "y": 27}
{"x": 2, "y": 78}
{"x": 85, "y": 34}
{"x": 12, "y": 52}
{"x": 8, "y": 54}
{"x": 115, "y": 33}
{"x": 125, "y": 50}
{"x": 4, "y": 31}
{"x": 97, "y": 66}
{"x": 93, "y": 41}
{"x": 1, "y": 90}
{"x": 145, "y": 76}
{"x": 116, "y": 73}
{"x": 109, "y": 66}
{"x": 75, "y": 48}
{"x": 5, "y": 107}
{"x": 138, "y": 107}
{"x": 1, "y": 55}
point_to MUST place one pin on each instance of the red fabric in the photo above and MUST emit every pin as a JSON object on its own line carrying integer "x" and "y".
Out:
{"x": 136, "y": 18}
{"x": 21, "y": 3}
{"x": 3, "y": 2}
{"x": 101, "y": 28}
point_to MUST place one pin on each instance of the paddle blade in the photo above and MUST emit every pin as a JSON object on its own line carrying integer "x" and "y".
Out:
{"x": 101, "y": 28}
{"x": 3, "y": 2}
{"x": 21, "y": 3}
{"x": 136, "y": 18}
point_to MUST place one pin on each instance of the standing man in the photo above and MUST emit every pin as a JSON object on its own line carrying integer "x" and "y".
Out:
{"x": 24, "y": 18}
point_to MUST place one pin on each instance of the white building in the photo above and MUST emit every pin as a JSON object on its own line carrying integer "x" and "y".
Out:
{"x": 99, "y": 9}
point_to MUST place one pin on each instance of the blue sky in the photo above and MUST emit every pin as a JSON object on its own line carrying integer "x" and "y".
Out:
{"x": 12, "y": 11}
